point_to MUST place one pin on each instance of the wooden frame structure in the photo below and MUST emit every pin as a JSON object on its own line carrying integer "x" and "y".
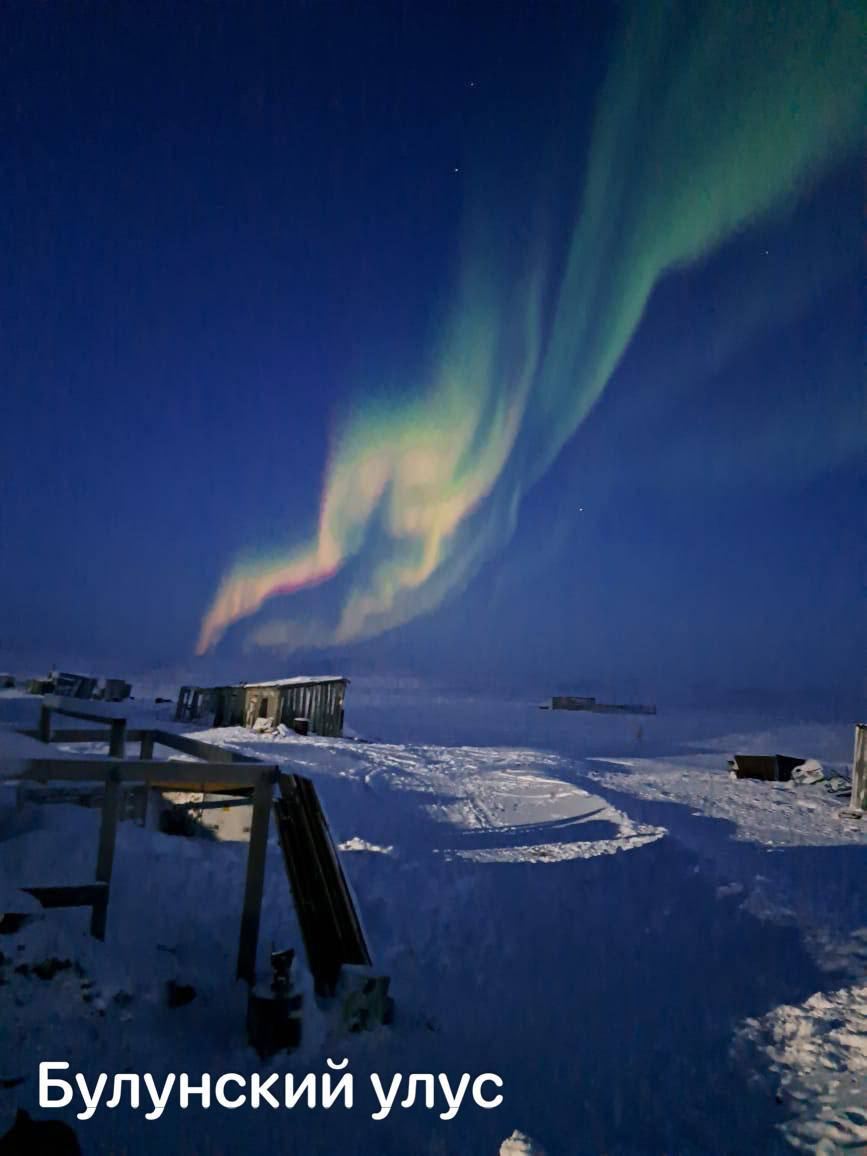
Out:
{"x": 217, "y": 770}
{"x": 326, "y": 910}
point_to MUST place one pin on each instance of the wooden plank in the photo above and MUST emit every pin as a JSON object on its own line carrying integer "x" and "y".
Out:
{"x": 326, "y": 912}
{"x": 67, "y": 736}
{"x": 205, "y": 787}
{"x": 859, "y": 769}
{"x": 352, "y": 937}
{"x": 153, "y": 771}
{"x": 208, "y": 752}
{"x": 82, "y": 895}
{"x": 105, "y": 854}
{"x": 44, "y": 724}
{"x": 181, "y": 707}
{"x": 333, "y": 692}
{"x": 335, "y": 710}
{"x": 117, "y": 742}
{"x": 255, "y": 881}
{"x": 57, "y": 704}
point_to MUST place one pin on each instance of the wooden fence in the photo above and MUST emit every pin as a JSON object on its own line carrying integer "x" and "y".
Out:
{"x": 329, "y": 921}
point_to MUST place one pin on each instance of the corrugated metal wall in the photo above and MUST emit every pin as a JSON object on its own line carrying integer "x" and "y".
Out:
{"x": 319, "y": 702}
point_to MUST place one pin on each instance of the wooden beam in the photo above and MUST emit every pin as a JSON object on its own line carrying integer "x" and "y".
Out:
{"x": 859, "y": 769}
{"x": 105, "y": 855}
{"x": 88, "y": 715}
{"x": 326, "y": 912}
{"x": 74, "y": 735}
{"x": 182, "y": 775}
{"x": 205, "y": 786}
{"x": 255, "y": 882}
{"x": 45, "y": 723}
{"x": 117, "y": 742}
{"x": 208, "y": 752}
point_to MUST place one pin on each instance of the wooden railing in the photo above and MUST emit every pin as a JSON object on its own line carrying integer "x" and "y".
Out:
{"x": 329, "y": 922}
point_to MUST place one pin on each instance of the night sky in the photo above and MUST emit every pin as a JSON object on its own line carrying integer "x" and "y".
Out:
{"x": 491, "y": 342}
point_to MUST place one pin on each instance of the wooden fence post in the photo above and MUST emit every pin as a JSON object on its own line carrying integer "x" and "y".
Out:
{"x": 147, "y": 745}
{"x": 859, "y": 769}
{"x": 117, "y": 743}
{"x": 105, "y": 856}
{"x": 45, "y": 723}
{"x": 255, "y": 884}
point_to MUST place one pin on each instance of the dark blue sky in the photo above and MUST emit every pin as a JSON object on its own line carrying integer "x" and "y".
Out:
{"x": 223, "y": 225}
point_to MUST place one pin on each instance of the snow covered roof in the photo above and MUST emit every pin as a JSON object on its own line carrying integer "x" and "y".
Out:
{"x": 299, "y": 680}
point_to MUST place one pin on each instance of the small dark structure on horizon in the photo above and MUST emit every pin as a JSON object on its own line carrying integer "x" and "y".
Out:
{"x": 312, "y": 705}
{"x": 75, "y": 685}
{"x": 80, "y": 686}
{"x": 589, "y": 703}
{"x": 116, "y": 690}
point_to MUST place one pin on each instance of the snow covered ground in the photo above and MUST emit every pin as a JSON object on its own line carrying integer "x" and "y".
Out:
{"x": 654, "y": 956}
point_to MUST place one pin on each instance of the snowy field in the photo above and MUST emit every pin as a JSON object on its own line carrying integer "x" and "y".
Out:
{"x": 653, "y": 956}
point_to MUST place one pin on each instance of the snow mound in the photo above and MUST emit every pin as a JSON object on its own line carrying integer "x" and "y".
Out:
{"x": 818, "y": 1052}
{"x": 520, "y": 1145}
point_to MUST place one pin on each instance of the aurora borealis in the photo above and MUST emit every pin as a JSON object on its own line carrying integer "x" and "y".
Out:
{"x": 467, "y": 342}
{"x": 709, "y": 118}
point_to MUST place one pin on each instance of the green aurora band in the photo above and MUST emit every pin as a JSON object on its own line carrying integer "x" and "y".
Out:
{"x": 711, "y": 116}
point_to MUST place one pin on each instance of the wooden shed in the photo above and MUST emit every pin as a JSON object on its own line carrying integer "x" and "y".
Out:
{"x": 316, "y": 700}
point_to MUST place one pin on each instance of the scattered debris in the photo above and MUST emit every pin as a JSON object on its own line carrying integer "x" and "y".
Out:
{"x": 784, "y": 769}
{"x": 838, "y": 785}
{"x": 809, "y": 772}
{"x": 178, "y": 819}
{"x": 13, "y": 921}
{"x": 273, "y": 1016}
{"x": 179, "y": 994}
{"x": 363, "y": 999}
{"x": 48, "y": 968}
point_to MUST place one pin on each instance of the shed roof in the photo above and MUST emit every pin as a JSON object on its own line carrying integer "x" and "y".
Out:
{"x": 299, "y": 680}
